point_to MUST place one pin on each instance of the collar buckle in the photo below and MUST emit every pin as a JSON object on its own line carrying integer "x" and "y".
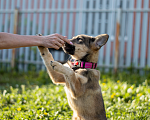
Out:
{"x": 82, "y": 64}
{"x": 77, "y": 63}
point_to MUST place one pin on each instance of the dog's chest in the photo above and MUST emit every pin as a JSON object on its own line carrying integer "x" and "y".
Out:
{"x": 84, "y": 102}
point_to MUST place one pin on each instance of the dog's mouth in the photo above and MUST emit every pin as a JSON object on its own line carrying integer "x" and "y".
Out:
{"x": 69, "y": 49}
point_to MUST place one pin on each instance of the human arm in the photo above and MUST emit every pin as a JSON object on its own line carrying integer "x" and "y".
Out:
{"x": 8, "y": 41}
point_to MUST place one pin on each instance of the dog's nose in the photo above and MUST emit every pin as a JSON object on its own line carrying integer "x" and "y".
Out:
{"x": 68, "y": 45}
{"x": 69, "y": 48}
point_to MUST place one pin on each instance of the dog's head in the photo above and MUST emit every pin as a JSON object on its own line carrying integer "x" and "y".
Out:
{"x": 85, "y": 47}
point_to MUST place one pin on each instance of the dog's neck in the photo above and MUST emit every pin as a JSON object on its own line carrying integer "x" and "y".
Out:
{"x": 88, "y": 61}
{"x": 76, "y": 64}
{"x": 92, "y": 56}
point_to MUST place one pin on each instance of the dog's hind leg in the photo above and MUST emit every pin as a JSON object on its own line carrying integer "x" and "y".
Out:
{"x": 56, "y": 77}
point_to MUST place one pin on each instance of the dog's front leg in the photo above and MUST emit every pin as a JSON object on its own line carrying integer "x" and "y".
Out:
{"x": 56, "y": 77}
{"x": 74, "y": 81}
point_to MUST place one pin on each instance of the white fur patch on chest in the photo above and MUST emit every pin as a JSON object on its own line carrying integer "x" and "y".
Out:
{"x": 66, "y": 65}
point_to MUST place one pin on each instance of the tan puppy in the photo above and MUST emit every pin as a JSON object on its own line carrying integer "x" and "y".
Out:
{"x": 79, "y": 76}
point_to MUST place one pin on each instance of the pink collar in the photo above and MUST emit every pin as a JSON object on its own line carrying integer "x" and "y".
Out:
{"x": 82, "y": 64}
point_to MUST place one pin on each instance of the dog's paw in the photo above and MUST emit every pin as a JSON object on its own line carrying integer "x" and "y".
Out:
{"x": 45, "y": 54}
{"x": 43, "y": 50}
{"x": 56, "y": 65}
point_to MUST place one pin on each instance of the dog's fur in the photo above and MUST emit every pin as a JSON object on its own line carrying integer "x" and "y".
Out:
{"x": 81, "y": 85}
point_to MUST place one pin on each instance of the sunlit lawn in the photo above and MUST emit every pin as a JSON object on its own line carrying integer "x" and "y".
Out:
{"x": 33, "y": 96}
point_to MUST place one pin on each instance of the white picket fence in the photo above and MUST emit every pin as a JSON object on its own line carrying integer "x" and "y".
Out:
{"x": 73, "y": 17}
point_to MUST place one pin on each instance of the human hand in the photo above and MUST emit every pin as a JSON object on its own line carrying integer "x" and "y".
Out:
{"x": 54, "y": 41}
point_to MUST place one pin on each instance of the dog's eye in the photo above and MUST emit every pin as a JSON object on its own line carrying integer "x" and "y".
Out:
{"x": 78, "y": 39}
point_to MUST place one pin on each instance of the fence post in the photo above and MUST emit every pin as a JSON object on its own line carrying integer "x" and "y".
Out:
{"x": 15, "y": 32}
{"x": 117, "y": 39}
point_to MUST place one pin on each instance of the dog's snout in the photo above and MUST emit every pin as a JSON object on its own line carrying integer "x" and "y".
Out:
{"x": 68, "y": 45}
{"x": 69, "y": 48}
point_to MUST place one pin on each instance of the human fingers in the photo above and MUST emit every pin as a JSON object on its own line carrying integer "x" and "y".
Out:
{"x": 60, "y": 41}
{"x": 57, "y": 41}
{"x": 55, "y": 47}
{"x": 64, "y": 38}
{"x": 58, "y": 44}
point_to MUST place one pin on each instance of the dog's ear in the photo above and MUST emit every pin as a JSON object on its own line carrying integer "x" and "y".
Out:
{"x": 100, "y": 40}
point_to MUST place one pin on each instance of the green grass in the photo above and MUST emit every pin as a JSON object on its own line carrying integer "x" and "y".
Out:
{"x": 33, "y": 96}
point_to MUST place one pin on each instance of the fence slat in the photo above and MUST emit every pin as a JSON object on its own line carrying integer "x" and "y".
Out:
{"x": 34, "y": 30}
{"x": 46, "y": 19}
{"x": 52, "y": 25}
{"x": 89, "y": 25}
{"x": 56, "y": 53}
{"x": 64, "y": 19}
{"x": 70, "y": 20}
{"x": 11, "y": 55}
{"x": 148, "y": 59}
{"x": 58, "y": 18}
{"x": 115, "y": 2}
{"x": 6, "y": 17}
{"x": 1, "y": 15}
{"x": 144, "y": 35}
{"x": 137, "y": 35}
{"x": 109, "y": 31}
{"x": 40, "y": 18}
{"x": 21, "y": 50}
{"x": 58, "y": 15}
{"x": 4, "y": 54}
{"x": 59, "y": 55}
{"x": 103, "y": 17}
{"x": 28, "y": 19}
{"x": 18, "y": 3}
{"x": 12, "y": 16}
{"x": 96, "y": 22}
{"x": 122, "y": 40}
{"x": 46, "y": 24}
{"x": 83, "y": 31}
{"x": 79, "y": 17}
{"x": 38, "y": 57}
{"x": 62, "y": 57}
{"x": 27, "y": 49}
{"x": 23, "y": 18}
{"x": 9, "y": 58}
{"x": 4, "y": 51}
{"x": 129, "y": 34}
{"x": 27, "y": 53}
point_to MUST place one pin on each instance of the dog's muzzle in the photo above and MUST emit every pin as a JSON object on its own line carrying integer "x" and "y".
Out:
{"x": 69, "y": 49}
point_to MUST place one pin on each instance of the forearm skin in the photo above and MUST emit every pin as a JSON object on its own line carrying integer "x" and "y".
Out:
{"x": 8, "y": 41}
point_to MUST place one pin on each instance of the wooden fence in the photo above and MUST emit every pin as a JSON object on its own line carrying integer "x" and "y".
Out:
{"x": 73, "y": 17}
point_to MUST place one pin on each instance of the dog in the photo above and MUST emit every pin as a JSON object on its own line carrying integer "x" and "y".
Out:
{"x": 79, "y": 76}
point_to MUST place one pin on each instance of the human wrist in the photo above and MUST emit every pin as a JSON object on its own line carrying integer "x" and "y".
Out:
{"x": 39, "y": 40}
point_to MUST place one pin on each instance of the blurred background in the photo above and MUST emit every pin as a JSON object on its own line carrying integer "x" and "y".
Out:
{"x": 126, "y": 21}
{"x": 30, "y": 95}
